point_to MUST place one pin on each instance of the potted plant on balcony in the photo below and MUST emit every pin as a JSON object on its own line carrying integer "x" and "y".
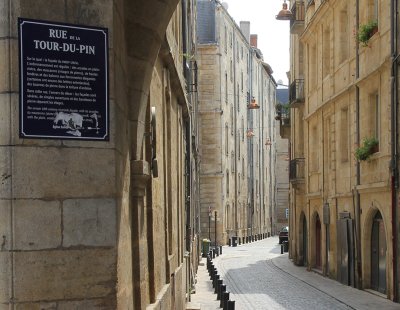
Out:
{"x": 369, "y": 146}
{"x": 366, "y": 31}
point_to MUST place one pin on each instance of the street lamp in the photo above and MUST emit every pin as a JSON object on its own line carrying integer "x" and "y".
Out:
{"x": 285, "y": 13}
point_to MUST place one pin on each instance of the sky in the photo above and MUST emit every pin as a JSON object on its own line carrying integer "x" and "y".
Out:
{"x": 273, "y": 35}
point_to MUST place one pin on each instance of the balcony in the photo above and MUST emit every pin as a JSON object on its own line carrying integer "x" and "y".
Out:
{"x": 297, "y": 22}
{"x": 296, "y": 93}
{"x": 296, "y": 170}
{"x": 283, "y": 116}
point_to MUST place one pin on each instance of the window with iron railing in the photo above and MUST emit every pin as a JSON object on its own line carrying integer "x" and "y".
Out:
{"x": 296, "y": 169}
{"x": 296, "y": 91}
{"x": 298, "y": 12}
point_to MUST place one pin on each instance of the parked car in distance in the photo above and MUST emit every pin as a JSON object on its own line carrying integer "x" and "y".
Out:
{"x": 284, "y": 234}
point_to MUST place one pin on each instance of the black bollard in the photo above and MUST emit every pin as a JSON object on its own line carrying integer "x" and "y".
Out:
{"x": 240, "y": 240}
{"x": 231, "y": 305}
{"x": 224, "y": 299}
{"x": 220, "y": 249}
{"x": 281, "y": 248}
{"x": 216, "y": 278}
{"x": 211, "y": 268}
{"x": 230, "y": 242}
{"x": 213, "y": 251}
{"x": 213, "y": 272}
{"x": 216, "y": 289}
{"x": 221, "y": 290}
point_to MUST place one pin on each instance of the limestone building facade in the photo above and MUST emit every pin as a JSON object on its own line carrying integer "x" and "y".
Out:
{"x": 105, "y": 224}
{"x": 343, "y": 142}
{"x": 234, "y": 183}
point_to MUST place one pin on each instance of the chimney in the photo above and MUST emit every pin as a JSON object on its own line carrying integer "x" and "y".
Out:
{"x": 245, "y": 28}
{"x": 253, "y": 40}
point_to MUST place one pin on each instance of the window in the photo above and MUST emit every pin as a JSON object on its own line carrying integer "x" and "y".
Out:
{"x": 314, "y": 165}
{"x": 226, "y": 139}
{"x": 232, "y": 162}
{"x": 343, "y": 35}
{"x": 312, "y": 57}
{"x": 373, "y": 10}
{"x": 226, "y": 40}
{"x": 242, "y": 129}
{"x": 227, "y": 182}
{"x": 226, "y": 87}
{"x": 374, "y": 113}
{"x": 238, "y": 97}
{"x": 344, "y": 135}
{"x": 241, "y": 80}
{"x": 326, "y": 56}
{"x": 237, "y": 51}
{"x": 238, "y": 135}
{"x": 232, "y": 121}
{"x": 231, "y": 67}
{"x": 230, "y": 39}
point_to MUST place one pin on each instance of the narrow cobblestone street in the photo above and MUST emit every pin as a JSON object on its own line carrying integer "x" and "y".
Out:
{"x": 258, "y": 277}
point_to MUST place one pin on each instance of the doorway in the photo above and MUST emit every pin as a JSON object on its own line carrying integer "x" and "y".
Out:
{"x": 378, "y": 254}
{"x": 318, "y": 256}
{"x": 303, "y": 260}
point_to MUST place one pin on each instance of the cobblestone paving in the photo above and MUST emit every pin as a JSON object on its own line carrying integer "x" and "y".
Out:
{"x": 256, "y": 283}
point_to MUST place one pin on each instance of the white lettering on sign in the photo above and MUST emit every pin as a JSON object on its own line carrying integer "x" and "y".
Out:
{"x": 59, "y": 34}
{"x": 65, "y": 47}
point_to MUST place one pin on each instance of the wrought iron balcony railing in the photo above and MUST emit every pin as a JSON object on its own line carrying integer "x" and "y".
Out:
{"x": 297, "y": 22}
{"x": 296, "y": 93}
{"x": 296, "y": 170}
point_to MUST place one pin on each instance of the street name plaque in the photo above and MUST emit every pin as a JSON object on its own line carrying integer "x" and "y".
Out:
{"x": 63, "y": 81}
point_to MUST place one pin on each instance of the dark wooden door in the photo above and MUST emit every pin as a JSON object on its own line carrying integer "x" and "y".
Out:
{"x": 378, "y": 255}
{"x": 318, "y": 260}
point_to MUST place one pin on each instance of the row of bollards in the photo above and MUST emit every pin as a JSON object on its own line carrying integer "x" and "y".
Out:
{"x": 219, "y": 287}
{"x": 235, "y": 241}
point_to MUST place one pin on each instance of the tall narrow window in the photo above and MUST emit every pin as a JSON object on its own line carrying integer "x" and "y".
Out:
{"x": 226, "y": 87}
{"x": 232, "y": 121}
{"x": 343, "y": 35}
{"x": 227, "y": 182}
{"x": 373, "y": 10}
{"x": 374, "y": 113}
{"x": 344, "y": 135}
{"x": 238, "y": 97}
{"x": 231, "y": 70}
{"x": 312, "y": 68}
{"x": 232, "y": 162}
{"x": 239, "y": 148}
{"x": 242, "y": 129}
{"x": 226, "y": 40}
{"x": 327, "y": 51}
{"x": 226, "y": 139}
{"x": 314, "y": 149}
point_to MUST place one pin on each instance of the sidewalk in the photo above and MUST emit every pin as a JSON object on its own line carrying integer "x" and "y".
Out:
{"x": 356, "y": 299}
{"x": 204, "y": 298}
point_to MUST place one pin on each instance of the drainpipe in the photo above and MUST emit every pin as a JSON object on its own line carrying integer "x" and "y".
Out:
{"x": 393, "y": 137}
{"x": 358, "y": 271}
{"x": 235, "y": 105}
